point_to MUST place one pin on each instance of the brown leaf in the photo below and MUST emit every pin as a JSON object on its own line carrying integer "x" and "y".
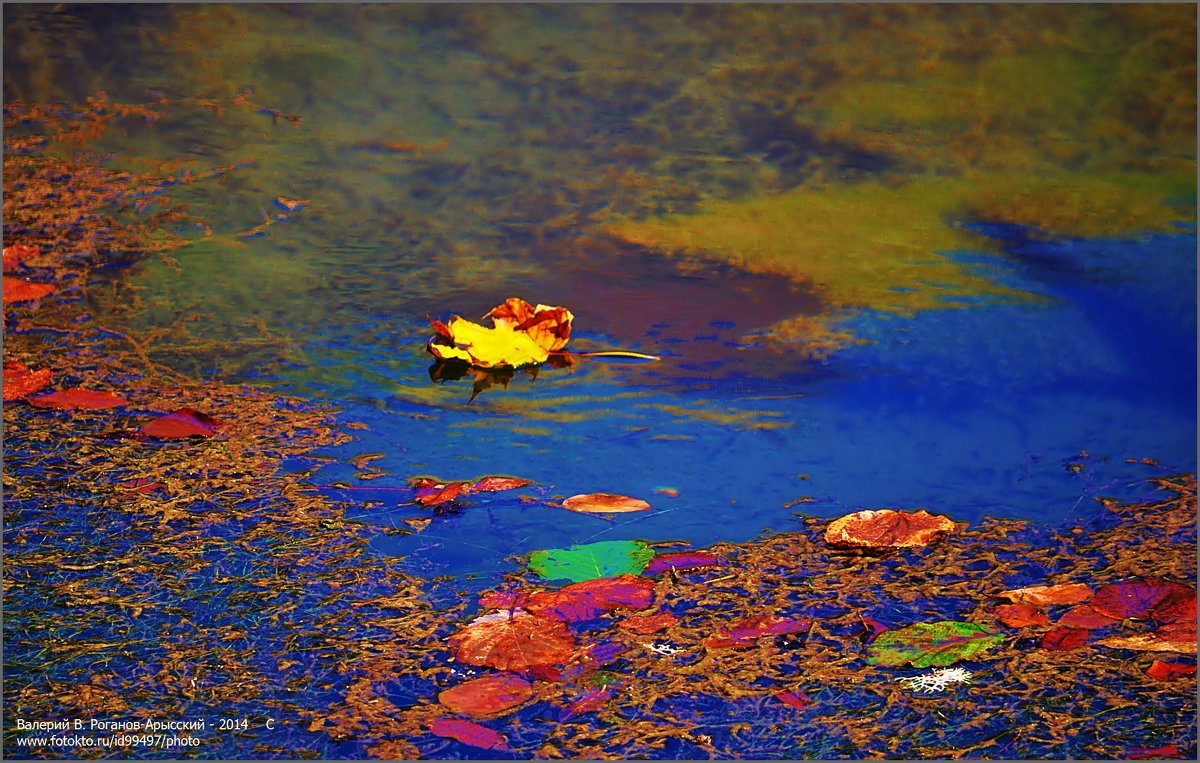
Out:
{"x": 1148, "y": 642}
{"x": 1041, "y": 595}
{"x": 887, "y": 528}
{"x": 604, "y": 503}
{"x": 648, "y": 623}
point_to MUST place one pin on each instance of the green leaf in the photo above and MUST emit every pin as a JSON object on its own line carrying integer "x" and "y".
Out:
{"x": 927, "y": 644}
{"x": 594, "y": 560}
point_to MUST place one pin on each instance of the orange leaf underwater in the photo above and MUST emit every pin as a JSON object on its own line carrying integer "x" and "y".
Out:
{"x": 20, "y": 380}
{"x": 1041, "y": 595}
{"x": 20, "y": 290}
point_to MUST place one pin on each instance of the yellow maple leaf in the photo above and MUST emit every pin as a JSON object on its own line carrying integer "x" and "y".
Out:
{"x": 522, "y": 335}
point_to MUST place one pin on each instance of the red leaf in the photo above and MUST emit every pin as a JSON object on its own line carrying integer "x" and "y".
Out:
{"x": 74, "y": 399}
{"x": 521, "y": 643}
{"x": 1182, "y": 631}
{"x": 185, "y": 422}
{"x": 1064, "y": 637}
{"x": 588, "y": 599}
{"x": 591, "y": 700}
{"x": 648, "y": 623}
{"x": 490, "y": 695}
{"x": 685, "y": 560}
{"x": 19, "y": 381}
{"x": 1021, "y": 615}
{"x": 1084, "y": 616}
{"x": 746, "y": 632}
{"x": 1142, "y": 753}
{"x": 468, "y": 732}
{"x": 20, "y": 290}
{"x": 1137, "y": 597}
{"x": 1165, "y": 671}
{"x": 492, "y": 484}
{"x": 798, "y": 701}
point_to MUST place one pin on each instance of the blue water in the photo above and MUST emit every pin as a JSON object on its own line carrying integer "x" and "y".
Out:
{"x": 965, "y": 412}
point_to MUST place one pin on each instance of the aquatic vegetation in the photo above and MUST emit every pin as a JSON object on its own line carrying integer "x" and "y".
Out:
{"x": 936, "y": 680}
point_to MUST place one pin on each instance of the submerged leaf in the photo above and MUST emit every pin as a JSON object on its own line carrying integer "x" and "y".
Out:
{"x": 20, "y": 290}
{"x": 648, "y": 623}
{"x": 931, "y": 644}
{"x": 589, "y": 599}
{"x": 468, "y": 732}
{"x": 745, "y": 633}
{"x": 1167, "y": 671}
{"x": 593, "y": 560}
{"x": 589, "y": 701}
{"x": 1021, "y": 615}
{"x": 490, "y": 695}
{"x": 682, "y": 560}
{"x": 604, "y": 503}
{"x": 1064, "y": 638}
{"x": 20, "y": 380}
{"x": 1137, "y": 597}
{"x": 185, "y": 422}
{"x": 73, "y": 399}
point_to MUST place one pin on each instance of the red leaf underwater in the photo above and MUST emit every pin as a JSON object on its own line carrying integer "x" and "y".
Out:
{"x": 468, "y": 732}
{"x": 77, "y": 399}
{"x": 490, "y": 695}
{"x": 185, "y": 422}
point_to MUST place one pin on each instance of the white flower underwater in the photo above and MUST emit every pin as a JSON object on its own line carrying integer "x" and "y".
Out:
{"x": 937, "y": 680}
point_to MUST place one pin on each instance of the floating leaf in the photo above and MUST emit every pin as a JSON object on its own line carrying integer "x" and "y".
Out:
{"x": 745, "y": 633}
{"x": 72, "y": 399}
{"x": 20, "y": 290}
{"x": 468, "y": 732}
{"x": 1064, "y": 638}
{"x": 683, "y": 560}
{"x": 432, "y": 496}
{"x": 1167, "y": 671}
{"x": 521, "y": 643}
{"x": 20, "y": 381}
{"x": 594, "y": 560}
{"x": 604, "y": 503}
{"x": 522, "y": 335}
{"x": 490, "y": 695}
{"x": 1041, "y": 595}
{"x": 1021, "y": 615}
{"x": 431, "y": 491}
{"x": 185, "y": 422}
{"x": 648, "y": 623}
{"x": 931, "y": 644}
{"x": 887, "y": 528}
{"x": 587, "y": 600}
{"x": 1137, "y": 597}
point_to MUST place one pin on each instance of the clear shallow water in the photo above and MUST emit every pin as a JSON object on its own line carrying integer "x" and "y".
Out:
{"x": 553, "y": 125}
